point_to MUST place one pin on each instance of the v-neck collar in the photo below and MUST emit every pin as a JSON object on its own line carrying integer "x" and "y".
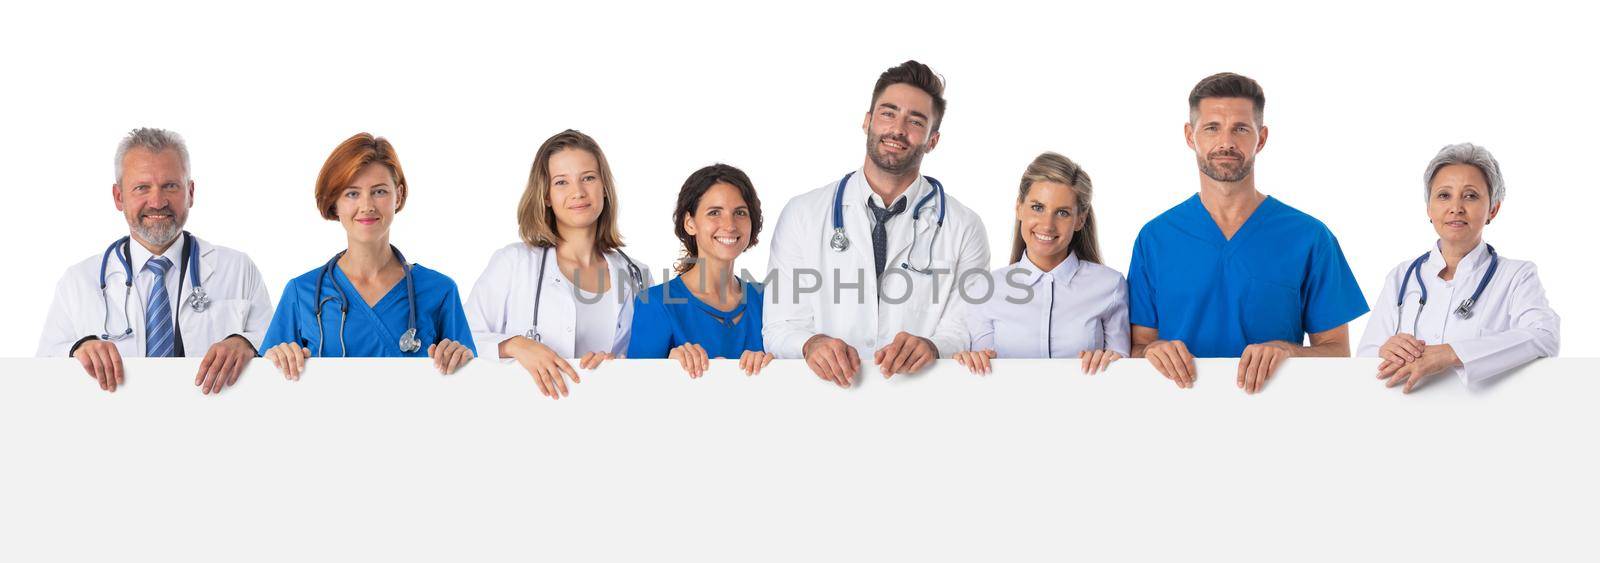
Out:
{"x": 1200, "y": 216}
{"x": 349, "y": 286}
{"x": 726, "y": 317}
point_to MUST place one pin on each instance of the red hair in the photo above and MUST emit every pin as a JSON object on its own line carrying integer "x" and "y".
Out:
{"x": 347, "y": 161}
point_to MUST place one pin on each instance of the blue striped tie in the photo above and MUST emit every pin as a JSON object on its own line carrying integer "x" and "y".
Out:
{"x": 158, "y": 312}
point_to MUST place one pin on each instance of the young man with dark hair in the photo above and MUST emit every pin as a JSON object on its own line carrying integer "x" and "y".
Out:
{"x": 872, "y": 262}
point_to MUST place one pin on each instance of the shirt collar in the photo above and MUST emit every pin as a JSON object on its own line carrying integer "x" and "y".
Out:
{"x": 1062, "y": 273}
{"x": 139, "y": 255}
{"x": 857, "y": 190}
{"x": 1469, "y": 263}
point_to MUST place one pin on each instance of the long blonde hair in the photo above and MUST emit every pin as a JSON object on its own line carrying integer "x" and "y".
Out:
{"x": 1052, "y": 167}
{"x": 535, "y": 218}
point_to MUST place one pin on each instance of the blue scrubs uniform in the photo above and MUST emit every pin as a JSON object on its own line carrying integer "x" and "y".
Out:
{"x": 369, "y": 332}
{"x": 1281, "y": 276}
{"x": 667, "y": 316}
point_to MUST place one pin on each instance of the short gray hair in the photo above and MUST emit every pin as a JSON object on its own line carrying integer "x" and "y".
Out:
{"x": 155, "y": 141}
{"x": 1466, "y": 153}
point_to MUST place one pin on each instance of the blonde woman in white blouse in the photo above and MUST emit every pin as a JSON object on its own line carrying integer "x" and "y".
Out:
{"x": 1055, "y": 300}
{"x": 1461, "y": 308}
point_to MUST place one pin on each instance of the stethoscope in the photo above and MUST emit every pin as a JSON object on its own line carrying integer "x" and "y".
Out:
{"x": 538, "y": 288}
{"x": 408, "y": 341}
{"x": 1463, "y": 311}
{"x": 190, "y": 260}
{"x": 840, "y": 242}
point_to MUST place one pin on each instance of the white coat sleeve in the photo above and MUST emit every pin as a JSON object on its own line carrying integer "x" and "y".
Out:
{"x": 59, "y": 333}
{"x": 487, "y": 306}
{"x": 1535, "y": 332}
{"x": 951, "y": 335}
{"x": 260, "y": 315}
{"x": 789, "y": 319}
{"x": 1381, "y": 321}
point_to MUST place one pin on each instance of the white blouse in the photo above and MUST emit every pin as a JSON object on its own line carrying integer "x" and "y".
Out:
{"x": 1056, "y": 314}
{"x": 1511, "y": 324}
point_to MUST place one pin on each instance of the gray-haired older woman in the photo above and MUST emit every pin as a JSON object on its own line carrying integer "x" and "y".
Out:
{"x": 1461, "y": 307}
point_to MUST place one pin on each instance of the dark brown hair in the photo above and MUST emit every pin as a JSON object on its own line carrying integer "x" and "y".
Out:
{"x": 536, "y": 221}
{"x": 347, "y": 161}
{"x": 1227, "y": 85}
{"x": 918, "y": 75}
{"x": 695, "y": 188}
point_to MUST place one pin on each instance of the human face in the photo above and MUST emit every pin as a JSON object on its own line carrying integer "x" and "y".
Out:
{"x": 1048, "y": 216}
{"x": 900, "y": 129}
{"x": 720, "y": 224}
{"x": 1225, "y": 138}
{"x": 1458, "y": 205}
{"x": 577, "y": 196}
{"x": 154, "y": 194}
{"x": 366, "y": 207}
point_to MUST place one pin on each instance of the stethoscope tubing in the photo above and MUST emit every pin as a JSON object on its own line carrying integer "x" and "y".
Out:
{"x": 538, "y": 287}
{"x": 408, "y": 341}
{"x": 1463, "y": 311}
{"x": 840, "y": 241}
{"x": 122, "y": 248}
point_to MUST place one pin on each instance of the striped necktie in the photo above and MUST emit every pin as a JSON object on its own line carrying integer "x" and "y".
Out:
{"x": 158, "y": 312}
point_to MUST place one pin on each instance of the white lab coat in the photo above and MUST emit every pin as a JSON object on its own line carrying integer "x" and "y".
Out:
{"x": 847, "y": 303}
{"x": 501, "y": 303}
{"x": 1512, "y": 323}
{"x": 239, "y": 305}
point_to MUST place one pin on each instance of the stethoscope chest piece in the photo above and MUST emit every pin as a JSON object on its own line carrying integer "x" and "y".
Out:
{"x": 409, "y": 342}
{"x": 1464, "y": 312}
{"x": 839, "y": 242}
{"x": 198, "y": 300}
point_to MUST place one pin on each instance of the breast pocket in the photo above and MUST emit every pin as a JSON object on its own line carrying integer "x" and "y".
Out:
{"x": 221, "y": 319}
{"x": 924, "y": 295}
{"x": 1272, "y": 312}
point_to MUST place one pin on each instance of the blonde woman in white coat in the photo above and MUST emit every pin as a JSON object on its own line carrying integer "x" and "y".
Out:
{"x": 566, "y": 290}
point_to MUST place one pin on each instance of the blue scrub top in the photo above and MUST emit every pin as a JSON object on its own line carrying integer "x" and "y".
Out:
{"x": 369, "y": 332}
{"x": 1281, "y": 276}
{"x": 668, "y": 315}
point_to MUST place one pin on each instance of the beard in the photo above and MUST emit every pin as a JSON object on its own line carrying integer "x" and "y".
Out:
{"x": 160, "y": 234}
{"x": 1220, "y": 174}
{"x": 891, "y": 164}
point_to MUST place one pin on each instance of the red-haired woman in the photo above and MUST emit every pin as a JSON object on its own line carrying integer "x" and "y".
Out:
{"x": 367, "y": 301}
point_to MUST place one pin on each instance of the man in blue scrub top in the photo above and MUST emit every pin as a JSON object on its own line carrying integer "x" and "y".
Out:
{"x": 1231, "y": 271}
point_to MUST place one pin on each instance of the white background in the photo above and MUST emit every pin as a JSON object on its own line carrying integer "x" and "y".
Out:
{"x": 1359, "y": 98}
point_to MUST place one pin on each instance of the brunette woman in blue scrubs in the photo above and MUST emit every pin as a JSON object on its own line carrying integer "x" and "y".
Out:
{"x": 707, "y": 311}
{"x": 367, "y": 301}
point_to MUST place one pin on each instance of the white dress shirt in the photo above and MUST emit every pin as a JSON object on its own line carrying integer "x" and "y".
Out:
{"x": 813, "y": 289}
{"x": 239, "y": 301}
{"x": 1032, "y": 313}
{"x": 1512, "y": 322}
{"x": 501, "y": 304}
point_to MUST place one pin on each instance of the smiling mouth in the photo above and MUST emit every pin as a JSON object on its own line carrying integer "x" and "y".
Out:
{"x": 727, "y": 240}
{"x": 1045, "y": 238}
{"x": 366, "y": 221}
{"x": 893, "y": 145}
